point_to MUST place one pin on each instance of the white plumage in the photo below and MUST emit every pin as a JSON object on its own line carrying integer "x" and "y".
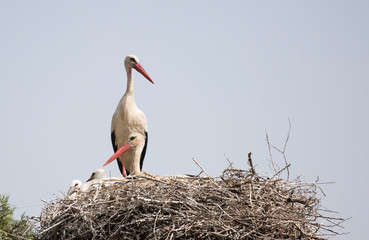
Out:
{"x": 96, "y": 179}
{"x": 75, "y": 185}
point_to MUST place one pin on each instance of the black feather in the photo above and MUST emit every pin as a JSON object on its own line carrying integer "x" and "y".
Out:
{"x": 115, "y": 147}
{"x": 143, "y": 153}
{"x": 91, "y": 177}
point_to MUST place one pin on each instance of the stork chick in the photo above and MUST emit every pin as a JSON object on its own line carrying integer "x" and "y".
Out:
{"x": 75, "y": 185}
{"x": 96, "y": 178}
{"x": 98, "y": 174}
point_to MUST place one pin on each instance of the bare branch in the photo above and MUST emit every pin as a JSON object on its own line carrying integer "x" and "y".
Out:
{"x": 283, "y": 152}
{"x": 251, "y": 165}
{"x": 198, "y": 164}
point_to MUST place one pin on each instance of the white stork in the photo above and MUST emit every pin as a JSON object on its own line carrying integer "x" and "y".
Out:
{"x": 75, "y": 185}
{"x": 97, "y": 178}
{"x": 98, "y": 174}
{"x": 131, "y": 154}
{"x": 128, "y": 119}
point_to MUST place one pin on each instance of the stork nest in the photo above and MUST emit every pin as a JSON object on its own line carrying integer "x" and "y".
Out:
{"x": 240, "y": 204}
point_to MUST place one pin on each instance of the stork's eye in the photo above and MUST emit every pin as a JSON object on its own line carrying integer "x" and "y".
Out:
{"x": 132, "y": 138}
{"x": 76, "y": 184}
{"x": 132, "y": 59}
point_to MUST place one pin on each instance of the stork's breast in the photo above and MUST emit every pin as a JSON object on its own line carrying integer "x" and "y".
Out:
{"x": 127, "y": 122}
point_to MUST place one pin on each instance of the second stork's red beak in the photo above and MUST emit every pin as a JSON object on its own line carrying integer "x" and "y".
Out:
{"x": 141, "y": 70}
{"x": 124, "y": 148}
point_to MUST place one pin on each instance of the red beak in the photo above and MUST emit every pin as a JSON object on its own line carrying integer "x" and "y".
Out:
{"x": 141, "y": 70}
{"x": 124, "y": 148}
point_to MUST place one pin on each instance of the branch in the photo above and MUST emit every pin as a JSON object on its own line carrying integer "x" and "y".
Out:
{"x": 198, "y": 164}
{"x": 249, "y": 161}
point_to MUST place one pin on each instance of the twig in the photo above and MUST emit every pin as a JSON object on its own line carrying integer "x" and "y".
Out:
{"x": 198, "y": 164}
{"x": 54, "y": 226}
{"x": 156, "y": 218}
{"x": 270, "y": 151}
{"x": 286, "y": 167}
{"x": 229, "y": 162}
{"x": 283, "y": 152}
{"x": 288, "y": 135}
{"x": 252, "y": 170}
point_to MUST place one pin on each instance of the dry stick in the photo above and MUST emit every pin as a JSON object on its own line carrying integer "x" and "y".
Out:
{"x": 288, "y": 135}
{"x": 54, "y": 226}
{"x": 230, "y": 163}
{"x": 156, "y": 218}
{"x": 252, "y": 170}
{"x": 198, "y": 164}
{"x": 270, "y": 152}
{"x": 286, "y": 167}
{"x": 285, "y": 160}
{"x": 284, "y": 149}
{"x": 282, "y": 152}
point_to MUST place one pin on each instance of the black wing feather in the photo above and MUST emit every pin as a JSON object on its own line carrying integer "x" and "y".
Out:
{"x": 143, "y": 153}
{"x": 115, "y": 147}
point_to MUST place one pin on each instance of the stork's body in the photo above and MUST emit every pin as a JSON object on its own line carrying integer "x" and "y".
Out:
{"x": 128, "y": 119}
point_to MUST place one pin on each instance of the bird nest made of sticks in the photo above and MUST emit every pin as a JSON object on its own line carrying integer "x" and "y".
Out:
{"x": 240, "y": 204}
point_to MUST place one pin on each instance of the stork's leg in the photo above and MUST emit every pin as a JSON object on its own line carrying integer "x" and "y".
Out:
{"x": 123, "y": 168}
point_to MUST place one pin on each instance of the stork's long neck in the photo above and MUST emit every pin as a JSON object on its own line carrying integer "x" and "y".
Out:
{"x": 135, "y": 165}
{"x": 130, "y": 82}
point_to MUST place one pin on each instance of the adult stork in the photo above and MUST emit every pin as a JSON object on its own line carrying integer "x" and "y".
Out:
{"x": 128, "y": 119}
{"x": 131, "y": 154}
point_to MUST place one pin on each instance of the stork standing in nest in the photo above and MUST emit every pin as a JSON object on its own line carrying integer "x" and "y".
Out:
{"x": 130, "y": 154}
{"x": 129, "y": 119}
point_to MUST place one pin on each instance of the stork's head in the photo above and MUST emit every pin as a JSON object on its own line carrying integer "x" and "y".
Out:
{"x": 74, "y": 186}
{"x": 134, "y": 140}
{"x": 98, "y": 174}
{"x": 132, "y": 61}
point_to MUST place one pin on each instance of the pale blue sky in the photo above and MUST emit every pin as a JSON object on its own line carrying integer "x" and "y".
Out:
{"x": 225, "y": 73}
